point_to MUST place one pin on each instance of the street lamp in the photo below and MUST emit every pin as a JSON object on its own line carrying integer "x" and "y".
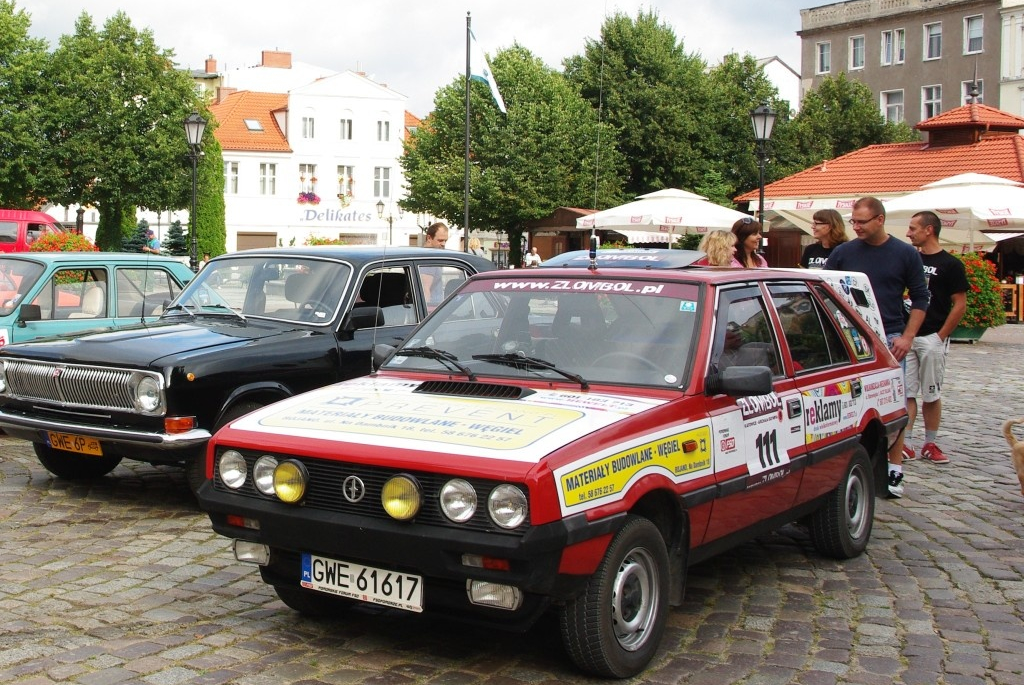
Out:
{"x": 194, "y": 127}
{"x": 763, "y": 121}
{"x": 390, "y": 220}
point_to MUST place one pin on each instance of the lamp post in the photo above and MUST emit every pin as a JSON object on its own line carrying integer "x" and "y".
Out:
{"x": 194, "y": 127}
{"x": 763, "y": 121}
{"x": 390, "y": 220}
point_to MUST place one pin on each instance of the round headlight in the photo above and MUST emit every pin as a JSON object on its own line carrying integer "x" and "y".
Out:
{"x": 263, "y": 474}
{"x": 401, "y": 497}
{"x": 147, "y": 394}
{"x": 507, "y": 506}
{"x": 290, "y": 481}
{"x": 231, "y": 469}
{"x": 458, "y": 500}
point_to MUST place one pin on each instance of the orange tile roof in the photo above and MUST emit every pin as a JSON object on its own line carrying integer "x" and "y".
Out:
{"x": 898, "y": 168}
{"x": 231, "y": 113}
{"x": 411, "y": 120}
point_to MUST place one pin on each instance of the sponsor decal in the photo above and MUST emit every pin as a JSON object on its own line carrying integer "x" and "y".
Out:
{"x": 828, "y": 410}
{"x": 998, "y": 222}
{"x": 607, "y": 477}
{"x": 806, "y": 204}
{"x": 759, "y": 405}
{"x": 767, "y": 477}
{"x": 727, "y": 444}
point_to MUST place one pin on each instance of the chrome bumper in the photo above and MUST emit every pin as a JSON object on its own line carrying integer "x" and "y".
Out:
{"x": 170, "y": 441}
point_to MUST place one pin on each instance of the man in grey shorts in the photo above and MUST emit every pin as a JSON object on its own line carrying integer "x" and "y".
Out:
{"x": 926, "y": 362}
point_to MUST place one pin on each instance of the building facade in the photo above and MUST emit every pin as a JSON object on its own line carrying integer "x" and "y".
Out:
{"x": 918, "y": 57}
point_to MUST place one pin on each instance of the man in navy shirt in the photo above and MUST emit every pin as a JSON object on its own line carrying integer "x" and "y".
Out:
{"x": 893, "y": 267}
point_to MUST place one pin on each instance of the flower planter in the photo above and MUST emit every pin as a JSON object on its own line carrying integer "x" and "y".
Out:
{"x": 968, "y": 335}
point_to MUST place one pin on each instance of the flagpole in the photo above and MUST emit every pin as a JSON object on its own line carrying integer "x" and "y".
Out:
{"x": 465, "y": 200}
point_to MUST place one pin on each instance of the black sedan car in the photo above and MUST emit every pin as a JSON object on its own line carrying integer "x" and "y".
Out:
{"x": 254, "y": 327}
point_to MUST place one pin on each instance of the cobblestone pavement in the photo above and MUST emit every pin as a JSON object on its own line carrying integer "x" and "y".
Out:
{"x": 122, "y": 581}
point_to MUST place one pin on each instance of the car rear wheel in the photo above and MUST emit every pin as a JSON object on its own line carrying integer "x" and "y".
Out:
{"x": 74, "y": 466}
{"x": 195, "y": 469}
{"x": 614, "y": 628}
{"x": 841, "y": 528}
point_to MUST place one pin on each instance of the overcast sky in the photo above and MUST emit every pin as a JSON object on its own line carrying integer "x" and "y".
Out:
{"x": 418, "y": 46}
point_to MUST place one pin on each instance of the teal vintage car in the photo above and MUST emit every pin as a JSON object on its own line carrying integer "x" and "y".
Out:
{"x": 49, "y": 293}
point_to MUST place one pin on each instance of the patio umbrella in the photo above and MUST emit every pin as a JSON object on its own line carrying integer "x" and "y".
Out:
{"x": 662, "y": 214}
{"x": 975, "y": 209}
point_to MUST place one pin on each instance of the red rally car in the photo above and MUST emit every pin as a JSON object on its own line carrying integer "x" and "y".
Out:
{"x": 571, "y": 439}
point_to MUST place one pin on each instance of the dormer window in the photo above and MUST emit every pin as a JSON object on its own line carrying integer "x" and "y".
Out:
{"x": 253, "y": 124}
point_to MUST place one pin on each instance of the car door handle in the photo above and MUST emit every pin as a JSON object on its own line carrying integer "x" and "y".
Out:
{"x": 855, "y": 388}
{"x": 794, "y": 407}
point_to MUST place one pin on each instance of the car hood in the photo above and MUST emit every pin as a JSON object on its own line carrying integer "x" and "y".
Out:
{"x": 390, "y": 413}
{"x": 148, "y": 345}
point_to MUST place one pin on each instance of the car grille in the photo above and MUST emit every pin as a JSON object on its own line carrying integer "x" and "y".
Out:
{"x": 326, "y": 479}
{"x": 70, "y": 384}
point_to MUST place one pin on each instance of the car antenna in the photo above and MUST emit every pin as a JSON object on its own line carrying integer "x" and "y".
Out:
{"x": 593, "y": 250}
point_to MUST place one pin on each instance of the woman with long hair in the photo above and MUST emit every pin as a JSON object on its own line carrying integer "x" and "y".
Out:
{"x": 719, "y": 248}
{"x": 828, "y": 230}
{"x": 748, "y": 238}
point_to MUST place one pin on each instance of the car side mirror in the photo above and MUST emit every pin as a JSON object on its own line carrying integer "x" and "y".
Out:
{"x": 739, "y": 381}
{"x": 380, "y": 354}
{"x": 29, "y": 312}
{"x": 365, "y": 317}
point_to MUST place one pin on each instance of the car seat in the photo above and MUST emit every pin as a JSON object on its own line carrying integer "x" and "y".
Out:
{"x": 94, "y": 303}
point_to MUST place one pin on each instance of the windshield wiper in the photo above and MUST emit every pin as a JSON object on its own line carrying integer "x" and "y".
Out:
{"x": 443, "y": 356}
{"x": 227, "y": 309}
{"x": 520, "y": 360}
{"x": 181, "y": 308}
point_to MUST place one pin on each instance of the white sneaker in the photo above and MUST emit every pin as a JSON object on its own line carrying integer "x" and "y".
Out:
{"x": 895, "y": 485}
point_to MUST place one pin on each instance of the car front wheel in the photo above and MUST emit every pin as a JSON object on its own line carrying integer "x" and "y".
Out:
{"x": 841, "y": 528}
{"x": 614, "y": 628}
{"x": 74, "y": 466}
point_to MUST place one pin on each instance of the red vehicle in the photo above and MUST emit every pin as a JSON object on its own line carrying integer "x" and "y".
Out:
{"x": 570, "y": 439}
{"x": 19, "y": 228}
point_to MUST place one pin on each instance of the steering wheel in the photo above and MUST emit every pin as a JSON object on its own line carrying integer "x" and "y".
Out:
{"x": 311, "y": 309}
{"x": 605, "y": 359}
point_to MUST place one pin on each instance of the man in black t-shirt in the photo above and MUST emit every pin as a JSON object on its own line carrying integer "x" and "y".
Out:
{"x": 926, "y": 362}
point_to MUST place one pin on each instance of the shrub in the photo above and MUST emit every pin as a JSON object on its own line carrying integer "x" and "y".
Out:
{"x": 63, "y": 242}
{"x": 984, "y": 299}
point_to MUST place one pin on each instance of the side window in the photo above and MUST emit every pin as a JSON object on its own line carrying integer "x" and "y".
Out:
{"x": 143, "y": 292}
{"x": 854, "y": 335}
{"x": 74, "y": 294}
{"x": 812, "y": 338}
{"x": 8, "y": 231}
{"x": 438, "y": 282}
{"x": 743, "y": 333}
{"x": 389, "y": 289}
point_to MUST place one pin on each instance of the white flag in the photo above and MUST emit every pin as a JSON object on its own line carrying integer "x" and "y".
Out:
{"x": 481, "y": 71}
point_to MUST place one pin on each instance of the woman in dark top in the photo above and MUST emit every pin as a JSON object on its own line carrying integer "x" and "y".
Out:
{"x": 828, "y": 230}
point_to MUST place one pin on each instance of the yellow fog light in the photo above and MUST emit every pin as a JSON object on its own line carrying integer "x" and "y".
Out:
{"x": 290, "y": 480}
{"x": 401, "y": 497}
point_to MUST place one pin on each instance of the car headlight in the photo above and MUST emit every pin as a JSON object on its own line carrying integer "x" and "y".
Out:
{"x": 290, "y": 481}
{"x": 148, "y": 396}
{"x": 231, "y": 469}
{"x": 458, "y": 500}
{"x": 401, "y": 497}
{"x": 3, "y": 377}
{"x": 507, "y": 506}
{"x": 263, "y": 474}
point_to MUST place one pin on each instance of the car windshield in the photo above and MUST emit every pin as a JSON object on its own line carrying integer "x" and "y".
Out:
{"x": 17, "y": 276}
{"x": 586, "y": 330}
{"x": 286, "y": 287}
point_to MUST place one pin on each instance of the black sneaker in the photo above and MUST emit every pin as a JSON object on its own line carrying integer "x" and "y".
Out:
{"x": 895, "y": 485}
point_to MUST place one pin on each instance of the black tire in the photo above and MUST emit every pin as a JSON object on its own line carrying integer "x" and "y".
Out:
{"x": 841, "y": 528}
{"x": 74, "y": 466}
{"x": 614, "y": 628}
{"x": 195, "y": 469}
{"x": 312, "y": 603}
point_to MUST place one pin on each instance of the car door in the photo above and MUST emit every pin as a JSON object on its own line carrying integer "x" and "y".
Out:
{"x": 71, "y": 299}
{"x": 141, "y": 293}
{"x": 758, "y": 441}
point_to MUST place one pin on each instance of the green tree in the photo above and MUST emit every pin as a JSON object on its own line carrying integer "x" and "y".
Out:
{"x": 548, "y": 151}
{"x": 135, "y": 241}
{"x": 174, "y": 242}
{"x": 22, "y": 60}
{"x": 211, "y": 221}
{"x": 653, "y": 93}
{"x": 113, "y": 124}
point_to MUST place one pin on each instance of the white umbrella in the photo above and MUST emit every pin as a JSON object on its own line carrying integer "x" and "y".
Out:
{"x": 661, "y": 214}
{"x": 972, "y": 207}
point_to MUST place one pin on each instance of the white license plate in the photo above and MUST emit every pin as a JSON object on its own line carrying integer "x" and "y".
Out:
{"x": 364, "y": 583}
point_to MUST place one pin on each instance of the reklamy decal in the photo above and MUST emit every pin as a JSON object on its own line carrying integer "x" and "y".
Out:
{"x": 679, "y": 454}
{"x": 828, "y": 410}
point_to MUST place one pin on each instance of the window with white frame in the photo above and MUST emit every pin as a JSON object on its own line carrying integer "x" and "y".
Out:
{"x": 307, "y": 178}
{"x": 308, "y": 127}
{"x": 965, "y": 91}
{"x": 892, "y": 105}
{"x": 823, "y": 65}
{"x": 346, "y": 129}
{"x": 345, "y": 174}
{"x": 901, "y": 46}
{"x": 974, "y": 39}
{"x": 268, "y": 179}
{"x": 231, "y": 178}
{"x": 933, "y": 41}
{"x": 857, "y": 52}
{"x": 888, "y": 48}
{"x": 931, "y": 101}
{"x": 382, "y": 182}
{"x": 383, "y": 131}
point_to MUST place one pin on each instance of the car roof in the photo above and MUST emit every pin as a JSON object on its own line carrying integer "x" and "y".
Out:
{"x": 711, "y": 275}
{"x": 360, "y": 253}
{"x": 88, "y": 257}
{"x": 636, "y": 257}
